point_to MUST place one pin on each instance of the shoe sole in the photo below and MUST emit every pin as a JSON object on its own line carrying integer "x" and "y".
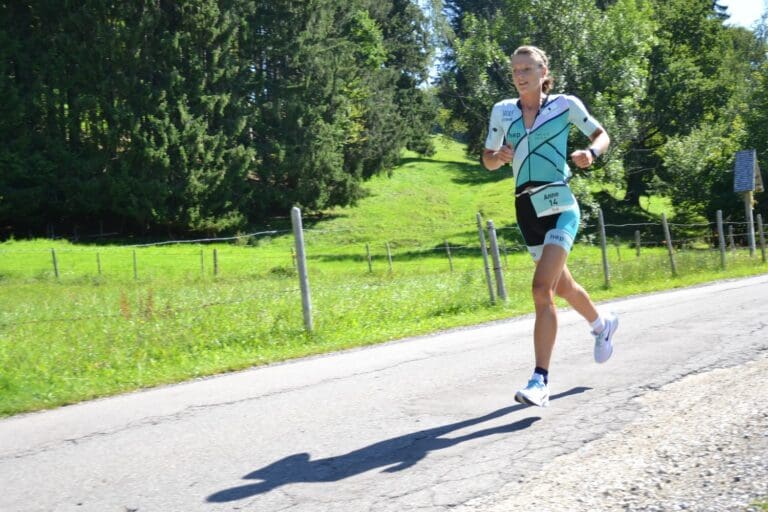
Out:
{"x": 521, "y": 398}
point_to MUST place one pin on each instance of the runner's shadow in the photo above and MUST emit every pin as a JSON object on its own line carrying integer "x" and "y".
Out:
{"x": 391, "y": 455}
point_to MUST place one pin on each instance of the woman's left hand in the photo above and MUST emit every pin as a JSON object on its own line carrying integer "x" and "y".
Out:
{"x": 582, "y": 158}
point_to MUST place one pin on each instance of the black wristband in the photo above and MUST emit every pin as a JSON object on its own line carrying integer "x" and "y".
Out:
{"x": 594, "y": 153}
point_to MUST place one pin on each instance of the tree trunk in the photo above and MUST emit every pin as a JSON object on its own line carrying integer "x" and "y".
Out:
{"x": 635, "y": 188}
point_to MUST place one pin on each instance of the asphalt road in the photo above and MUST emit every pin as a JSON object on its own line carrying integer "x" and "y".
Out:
{"x": 423, "y": 424}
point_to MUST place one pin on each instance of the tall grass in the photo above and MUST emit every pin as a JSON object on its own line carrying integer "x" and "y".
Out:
{"x": 87, "y": 334}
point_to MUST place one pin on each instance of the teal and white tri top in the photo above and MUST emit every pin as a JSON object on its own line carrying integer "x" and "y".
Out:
{"x": 541, "y": 152}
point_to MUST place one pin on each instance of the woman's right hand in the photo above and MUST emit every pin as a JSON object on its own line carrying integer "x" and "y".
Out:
{"x": 505, "y": 154}
{"x": 492, "y": 160}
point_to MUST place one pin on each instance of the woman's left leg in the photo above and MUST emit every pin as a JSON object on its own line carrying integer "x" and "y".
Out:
{"x": 603, "y": 328}
{"x": 576, "y": 295}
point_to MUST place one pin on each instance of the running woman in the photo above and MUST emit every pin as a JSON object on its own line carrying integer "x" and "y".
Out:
{"x": 531, "y": 133}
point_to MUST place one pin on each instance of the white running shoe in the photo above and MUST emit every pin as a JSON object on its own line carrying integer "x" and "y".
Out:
{"x": 604, "y": 340}
{"x": 535, "y": 393}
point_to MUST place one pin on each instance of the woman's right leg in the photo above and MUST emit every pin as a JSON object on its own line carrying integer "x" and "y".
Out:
{"x": 576, "y": 295}
{"x": 545, "y": 279}
{"x": 548, "y": 270}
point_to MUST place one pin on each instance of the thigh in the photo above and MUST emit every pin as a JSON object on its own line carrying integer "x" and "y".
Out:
{"x": 550, "y": 267}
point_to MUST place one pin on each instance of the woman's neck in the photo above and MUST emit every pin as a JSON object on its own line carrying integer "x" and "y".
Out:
{"x": 532, "y": 102}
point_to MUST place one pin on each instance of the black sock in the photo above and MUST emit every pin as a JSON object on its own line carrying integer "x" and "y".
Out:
{"x": 544, "y": 373}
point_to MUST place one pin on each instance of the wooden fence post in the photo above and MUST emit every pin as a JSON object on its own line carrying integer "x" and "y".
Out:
{"x": 448, "y": 252}
{"x": 637, "y": 242}
{"x": 606, "y": 270}
{"x": 55, "y": 263}
{"x": 484, "y": 250}
{"x": 215, "y": 262}
{"x": 368, "y": 256}
{"x": 762, "y": 235}
{"x": 721, "y": 238}
{"x": 669, "y": 243}
{"x": 750, "y": 222}
{"x": 389, "y": 257}
{"x": 301, "y": 260}
{"x": 98, "y": 263}
{"x": 500, "y": 288}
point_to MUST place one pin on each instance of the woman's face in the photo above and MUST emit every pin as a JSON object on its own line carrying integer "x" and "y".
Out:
{"x": 527, "y": 73}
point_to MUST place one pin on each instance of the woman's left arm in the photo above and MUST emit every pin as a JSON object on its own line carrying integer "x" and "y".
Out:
{"x": 600, "y": 141}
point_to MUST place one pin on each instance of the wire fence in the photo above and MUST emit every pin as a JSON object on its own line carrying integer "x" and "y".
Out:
{"x": 244, "y": 256}
{"x": 272, "y": 268}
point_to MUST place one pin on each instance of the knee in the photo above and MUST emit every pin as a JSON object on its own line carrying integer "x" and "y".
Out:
{"x": 543, "y": 294}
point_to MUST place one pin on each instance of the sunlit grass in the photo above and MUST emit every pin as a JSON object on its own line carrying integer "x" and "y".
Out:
{"x": 121, "y": 318}
{"x": 65, "y": 341}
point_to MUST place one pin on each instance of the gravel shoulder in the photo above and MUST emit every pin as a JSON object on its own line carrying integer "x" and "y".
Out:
{"x": 700, "y": 444}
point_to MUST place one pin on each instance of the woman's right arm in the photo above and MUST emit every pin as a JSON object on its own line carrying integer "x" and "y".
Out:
{"x": 492, "y": 160}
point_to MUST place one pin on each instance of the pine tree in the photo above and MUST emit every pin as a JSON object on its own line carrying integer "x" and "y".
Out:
{"x": 203, "y": 115}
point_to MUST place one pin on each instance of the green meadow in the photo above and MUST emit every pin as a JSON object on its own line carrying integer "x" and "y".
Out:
{"x": 120, "y": 317}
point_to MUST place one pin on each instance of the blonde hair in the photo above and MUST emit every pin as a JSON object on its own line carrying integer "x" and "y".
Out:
{"x": 539, "y": 55}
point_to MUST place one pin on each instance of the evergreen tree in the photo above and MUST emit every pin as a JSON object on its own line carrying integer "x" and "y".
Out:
{"x": 206, "y": 114}
{"x": 44, "y": 120}
{"x": 334, "y": 90}
{"x": 408, "y": 46}
{"x": 125, "y": 112}
{"x": 308, "y": 94}
{"x": 186, "y": 161}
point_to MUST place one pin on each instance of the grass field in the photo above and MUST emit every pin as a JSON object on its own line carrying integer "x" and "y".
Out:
{"x": 108, "y": 325}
